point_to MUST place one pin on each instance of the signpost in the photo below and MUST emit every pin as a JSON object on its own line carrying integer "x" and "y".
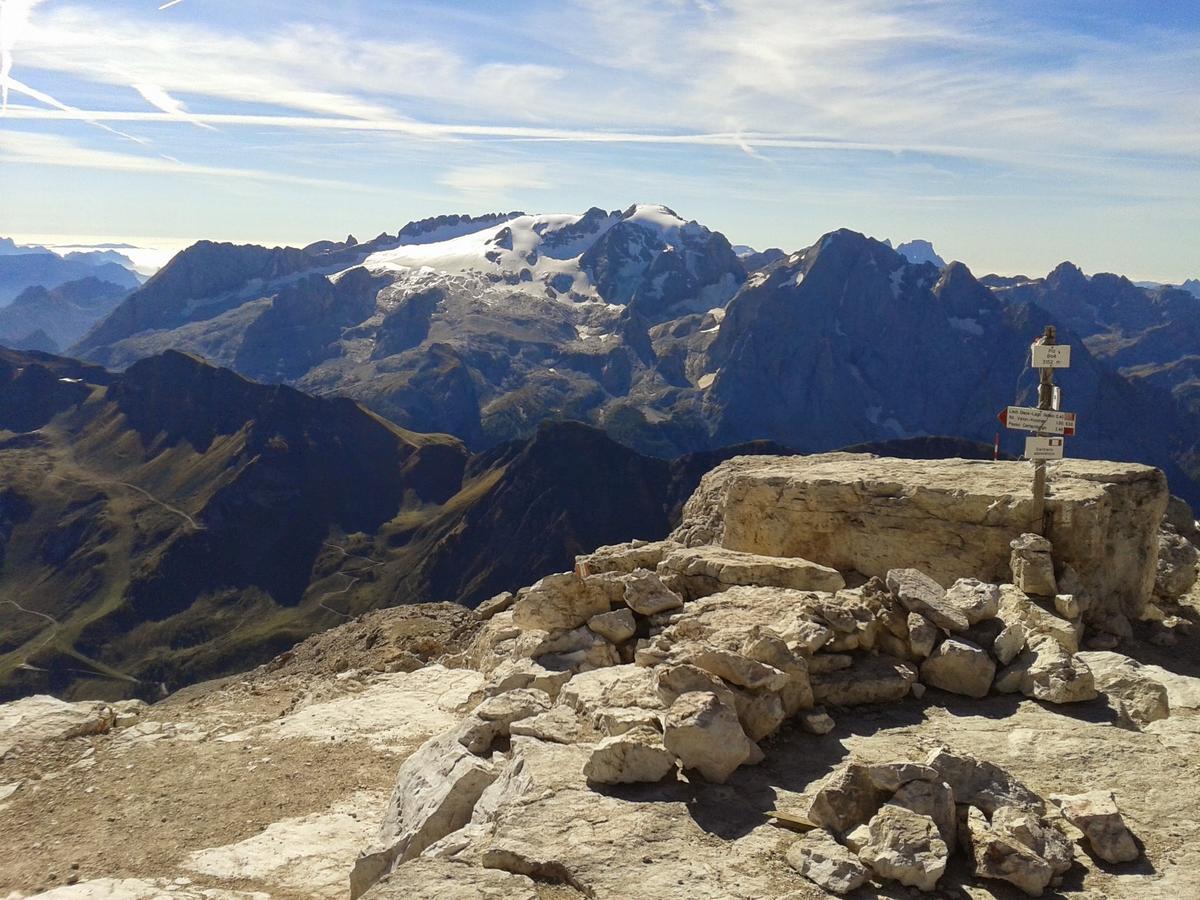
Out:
{"x": 1047, "y": 421}
{"x": 1024, "y": 418}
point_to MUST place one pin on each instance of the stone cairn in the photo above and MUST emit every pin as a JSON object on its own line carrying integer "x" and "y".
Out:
{"x": 662, "y": 657}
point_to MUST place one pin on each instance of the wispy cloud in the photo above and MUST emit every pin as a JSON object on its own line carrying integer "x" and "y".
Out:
{"x": 498, "y": 182}
{"x": 156, "y": 96}
{"x": 53, "y": 150}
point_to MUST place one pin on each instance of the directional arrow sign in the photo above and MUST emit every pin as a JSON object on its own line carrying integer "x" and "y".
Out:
{"x": 1051, "y": 356}
{"x": 1023, "y": 418}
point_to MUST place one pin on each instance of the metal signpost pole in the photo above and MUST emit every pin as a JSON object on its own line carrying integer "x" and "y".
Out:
{"x": 1046, "y": 402}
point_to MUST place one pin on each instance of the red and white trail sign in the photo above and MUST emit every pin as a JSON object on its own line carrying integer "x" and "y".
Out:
{"x": 1027, "y": 418}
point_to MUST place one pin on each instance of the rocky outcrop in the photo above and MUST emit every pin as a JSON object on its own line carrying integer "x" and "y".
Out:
{"x": 947, "y": 518}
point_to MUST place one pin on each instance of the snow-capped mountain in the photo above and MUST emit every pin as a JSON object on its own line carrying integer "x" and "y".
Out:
{"x": 919, "y": 251}
{"x": 640, "y": 322}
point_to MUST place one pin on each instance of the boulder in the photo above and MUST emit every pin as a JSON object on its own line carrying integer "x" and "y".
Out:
{"x": 872, "y": 679}
{"x": 960, "y": 667}
{"x": 982, "y": 783}
{"x": 1017, "y": 607}
{"x": 975, "y": 599}
{"x": 525, "y": 673}
{"x": 559, "y": 725}
{"x": 822, "y": 860}
{"x": 1032, "y": 565}
{"x": 1009, "y": 642}
{"x": 45, "y": 718}
{"x": 705, "y": 735}
{"x": 948, "y": 518}
{"x": 817, "y": 721}
{"x": 1068, "y": 606}
{"x": 435, "y": 793}
{"x": 1175, "y": 572}
{"x": 494, "y": 717}
{"x": 616, "y": 686}
{"x": 1134, "y": 695}
{"x": 559, "y": 602}
{"x": 646, "y": 594}
{"x": 498, "y": 604}
{"x": 890, "y": 777}
{"x": 933, "y": 798}
{"x": 1097, "y": 816}
{"x": 437, "y": 879}
{"x": 905, "y": 846}
{"x": 847, "y": 797}
{"x": 1053, "y": 674}
{"x": 617, "y": 626}
{"x": 919, "y": 593}
{"x": 624, "y": 558}
{"x": 635, "y": 755}
{"x": 1007, "y": 848}
{"x": 701, "y": 571}
{"x": 922, "y": 635}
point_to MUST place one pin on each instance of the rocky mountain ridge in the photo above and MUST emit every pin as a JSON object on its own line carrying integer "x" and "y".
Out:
{"x": 646, "y": 326}
{"x": 176, "y": 521}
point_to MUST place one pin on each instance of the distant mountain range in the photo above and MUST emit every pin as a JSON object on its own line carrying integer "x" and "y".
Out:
{"x": 658, "y": 331}
{"x": 24, "y": 267}
{"x": 177, "y": 522}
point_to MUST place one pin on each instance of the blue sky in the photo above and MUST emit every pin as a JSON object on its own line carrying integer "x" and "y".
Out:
{"x": 1012, "y": 134}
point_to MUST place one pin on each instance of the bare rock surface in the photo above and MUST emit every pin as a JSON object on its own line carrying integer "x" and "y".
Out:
{"x": 960, "y": 667}
{"x": 44, "y": 718}
{"x": 706, "y": 570}
{"x": 948, "y": 518}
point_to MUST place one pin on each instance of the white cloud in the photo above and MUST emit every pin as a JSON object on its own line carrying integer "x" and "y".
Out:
{"x": 498, "y": 181}
{"x": 53, "y": 150}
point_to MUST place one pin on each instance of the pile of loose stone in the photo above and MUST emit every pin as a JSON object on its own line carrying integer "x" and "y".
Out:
{"x": 901, "y": 822}
{"x": 663, "y": 658}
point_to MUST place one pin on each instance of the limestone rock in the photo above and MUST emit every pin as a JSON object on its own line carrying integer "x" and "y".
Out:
{"x": 525, "y": 673}
{"x": 948, "y": 518}
{"x": 919, "y": 593}
{"x": 975, "y": 599}
{"x": 646, "y": 594}
{"x": 617, "y": 626}
{"x": 44, "y": 718}
{"x": 435, "y": 879}
{"x": 1006, "y": 849}
{"x": 702, "y": 571}
{"x": 905, "y": 846}
{"x": 1097, "y": 816}
{"x": 737, "y": 669}
{"x": 873, "y": 679}
{"x": 1032, "y": 565}
{"x": 1056, "y": 676}
{"x": 435, "y": 793}
{"x": 1176, "y": 568}
{"x": 933, "y": 798}
{"x": 1017, "y": 607}
{"x": 624, "y": 558}
{"x": 498, "y": 604}
{"x": 706, "y": 736}
{"x": 845, "y": 798}
{"x": 494, "y": 717}
{"x": 982, "y": 783}
{"x": 1009, "y": 642}
{"x": 1136, "y": 697}
{"x": 817, "y": 721}
{"x": 617, "y": 686}
{"x": 635, "y": 755}
{"x": 890, "y": 777}
{"x": 960, "y": 667}
{"x": 821, "y": 859}
{"x": 559, "y": 725}
{"x": 922, "y": 635}
{"x": 559, "y": 602}
{"x": 1067, "y": 606}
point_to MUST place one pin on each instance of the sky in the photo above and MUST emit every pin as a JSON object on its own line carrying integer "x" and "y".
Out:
{"x": 1014, "y": 134}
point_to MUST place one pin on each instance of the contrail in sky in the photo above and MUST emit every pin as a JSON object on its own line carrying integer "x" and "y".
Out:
{"x": 169, "y": 4}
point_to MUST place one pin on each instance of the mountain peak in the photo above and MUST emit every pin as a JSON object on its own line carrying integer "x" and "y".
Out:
{"x": 920, "y": 251}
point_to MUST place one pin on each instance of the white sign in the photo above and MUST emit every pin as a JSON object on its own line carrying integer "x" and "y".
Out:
{"x": 1039, "y": 448}
{"x": 1051, "y": 356}
{"x": 1024, "y": 418}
